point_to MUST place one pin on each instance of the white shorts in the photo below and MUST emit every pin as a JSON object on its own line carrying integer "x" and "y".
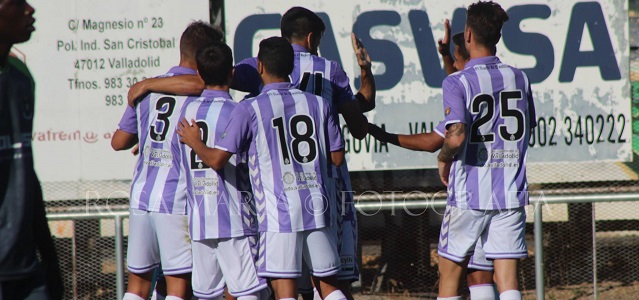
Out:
{"x": 501, "y": 233}
{"x": 281, "y": 254}
{"x": 156, "y": 238}
{"x": 230, "y": 262}
{"x": 479, "y": 261}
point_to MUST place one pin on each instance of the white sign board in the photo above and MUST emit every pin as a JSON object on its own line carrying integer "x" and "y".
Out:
{"x": 575, "y": 53}
{"x": 84, "y": 55}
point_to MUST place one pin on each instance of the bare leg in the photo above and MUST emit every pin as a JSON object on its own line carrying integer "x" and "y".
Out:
{"x": 506, "y": 274}
{"x": 284, "y": 288}
{"x": 140, "y": 284}
{"x": 450, "y": 273}
{"x": 179, "y": 285}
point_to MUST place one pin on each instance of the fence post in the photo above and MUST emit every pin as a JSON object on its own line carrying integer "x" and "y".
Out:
{"x": 539, "y": 252}
{"x": 119, "y": 257}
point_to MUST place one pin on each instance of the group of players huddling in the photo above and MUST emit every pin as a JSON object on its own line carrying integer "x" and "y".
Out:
{"x": 254, "y": 197}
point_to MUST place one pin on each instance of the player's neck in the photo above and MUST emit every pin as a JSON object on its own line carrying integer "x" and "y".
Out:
{"x": 188, "y": 63}
{"x": 479, "y": 51}
{"x": 221, "y": 88}
{"x": 303, "y": 44}
{"x": 268, "y": 79}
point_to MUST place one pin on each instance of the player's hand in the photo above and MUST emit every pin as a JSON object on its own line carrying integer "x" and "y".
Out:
{"x": 189, "y": 132}
{"x": 444, "y": 44}
{"x": 363, "y": 59}
{"x": 444, "y": 171}
{"x": 137, "y": 91}
{"x": 136, "y": 149}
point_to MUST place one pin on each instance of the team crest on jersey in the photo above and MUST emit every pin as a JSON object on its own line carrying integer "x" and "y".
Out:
{"x": 288, "y": 178}
{"x": 447, "y": 112}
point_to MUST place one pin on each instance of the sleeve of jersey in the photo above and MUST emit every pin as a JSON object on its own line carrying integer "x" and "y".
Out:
{"x": 129, "y": 121}
{"x": 237, "y": 132}
{"x": 454, "y": 103}
{"x": 441, "y": 128}
{"x": 336, "y": 142}
{"x": 246, "y": 78}
{"x": 341, "y": 85}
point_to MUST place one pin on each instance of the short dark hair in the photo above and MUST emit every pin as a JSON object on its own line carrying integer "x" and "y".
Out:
{"x": 298, "y": 22}
{"x": 485, "y": 19}
{"x": 276, "y": 55}
{"x": 215, "y": 63}
{"x": 458, "y": 39}
{"x": 198, "y": 35}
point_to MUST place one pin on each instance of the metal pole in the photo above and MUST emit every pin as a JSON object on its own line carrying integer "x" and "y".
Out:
{"x": 539, "y": 252}
{"x": 119, "y": 257}
{"x": 594, "y": 252}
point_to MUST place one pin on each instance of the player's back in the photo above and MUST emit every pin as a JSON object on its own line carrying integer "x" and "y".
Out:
{"x": 490, "y": 169}
{"x": 320, "y": 76}
{"x": 219, "y": 202}
{"x": 288, "y": 157}
{"x": 158, "y": 182}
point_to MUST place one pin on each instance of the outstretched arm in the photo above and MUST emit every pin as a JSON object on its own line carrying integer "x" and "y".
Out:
{"x": 430, "y": 141}
{"x": 444, "y": 49}
{"x": 366, "y": 94}
{"x": 187, "y": 85}
{"x": 190, "y": 135}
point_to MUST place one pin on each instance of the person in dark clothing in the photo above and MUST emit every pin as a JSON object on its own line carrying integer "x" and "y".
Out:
{"x": 24, "y": 231}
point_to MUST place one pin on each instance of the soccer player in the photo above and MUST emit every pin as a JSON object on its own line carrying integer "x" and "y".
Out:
{"x": 489, "y": 113}
{"x": 292, "y": 138}
{"x": 158, "y": 230}
{"x": 23, "y": 223}
{"x": 221, "y": 215}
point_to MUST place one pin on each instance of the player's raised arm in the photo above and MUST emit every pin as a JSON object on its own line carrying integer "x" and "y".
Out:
{"x": 366, "y": 94}
{"x": 190, "y": 134}
{"x": 184, "y": 85}
{"x": 444, "y": 49}
{"x": 429, "y": 141}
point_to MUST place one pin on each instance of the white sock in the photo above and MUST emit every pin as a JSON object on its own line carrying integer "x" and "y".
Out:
{"x": 316, "y": 295}
{"x": 131, "y": 296}
{"x": 449, "y": 298}
{"x": 288, "y": 299}
{"x": 335, "y": 295}
{"x": 510, "y": 295}
{"x": 171, "y": 297}
{"x": 482, "y": 292}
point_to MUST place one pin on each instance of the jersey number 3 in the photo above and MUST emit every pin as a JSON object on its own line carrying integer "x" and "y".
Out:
{"x": 163, "y": 116}
{"x": 298, "y": 139}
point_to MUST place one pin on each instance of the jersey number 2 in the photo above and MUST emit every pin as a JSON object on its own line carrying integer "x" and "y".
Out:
{"x": 298, "y": 139}
{"x": 204, "y": 131}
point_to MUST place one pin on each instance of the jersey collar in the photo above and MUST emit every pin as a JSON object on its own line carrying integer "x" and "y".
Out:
{"x": 215, "y": 94}
{"x": 486, "y": 60}
{"x": 277, "y": 86}
{"x": 177, "y": 70}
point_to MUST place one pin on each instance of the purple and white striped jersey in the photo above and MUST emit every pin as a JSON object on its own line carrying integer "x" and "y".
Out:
{"x": 288, "y": 134}
{"x": 159, "y": 184}
{"x": 220, "y": 205}
{"x": 495, "y": 103}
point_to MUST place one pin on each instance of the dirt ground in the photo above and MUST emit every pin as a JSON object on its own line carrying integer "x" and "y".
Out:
{"x": 605, "y": 290}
